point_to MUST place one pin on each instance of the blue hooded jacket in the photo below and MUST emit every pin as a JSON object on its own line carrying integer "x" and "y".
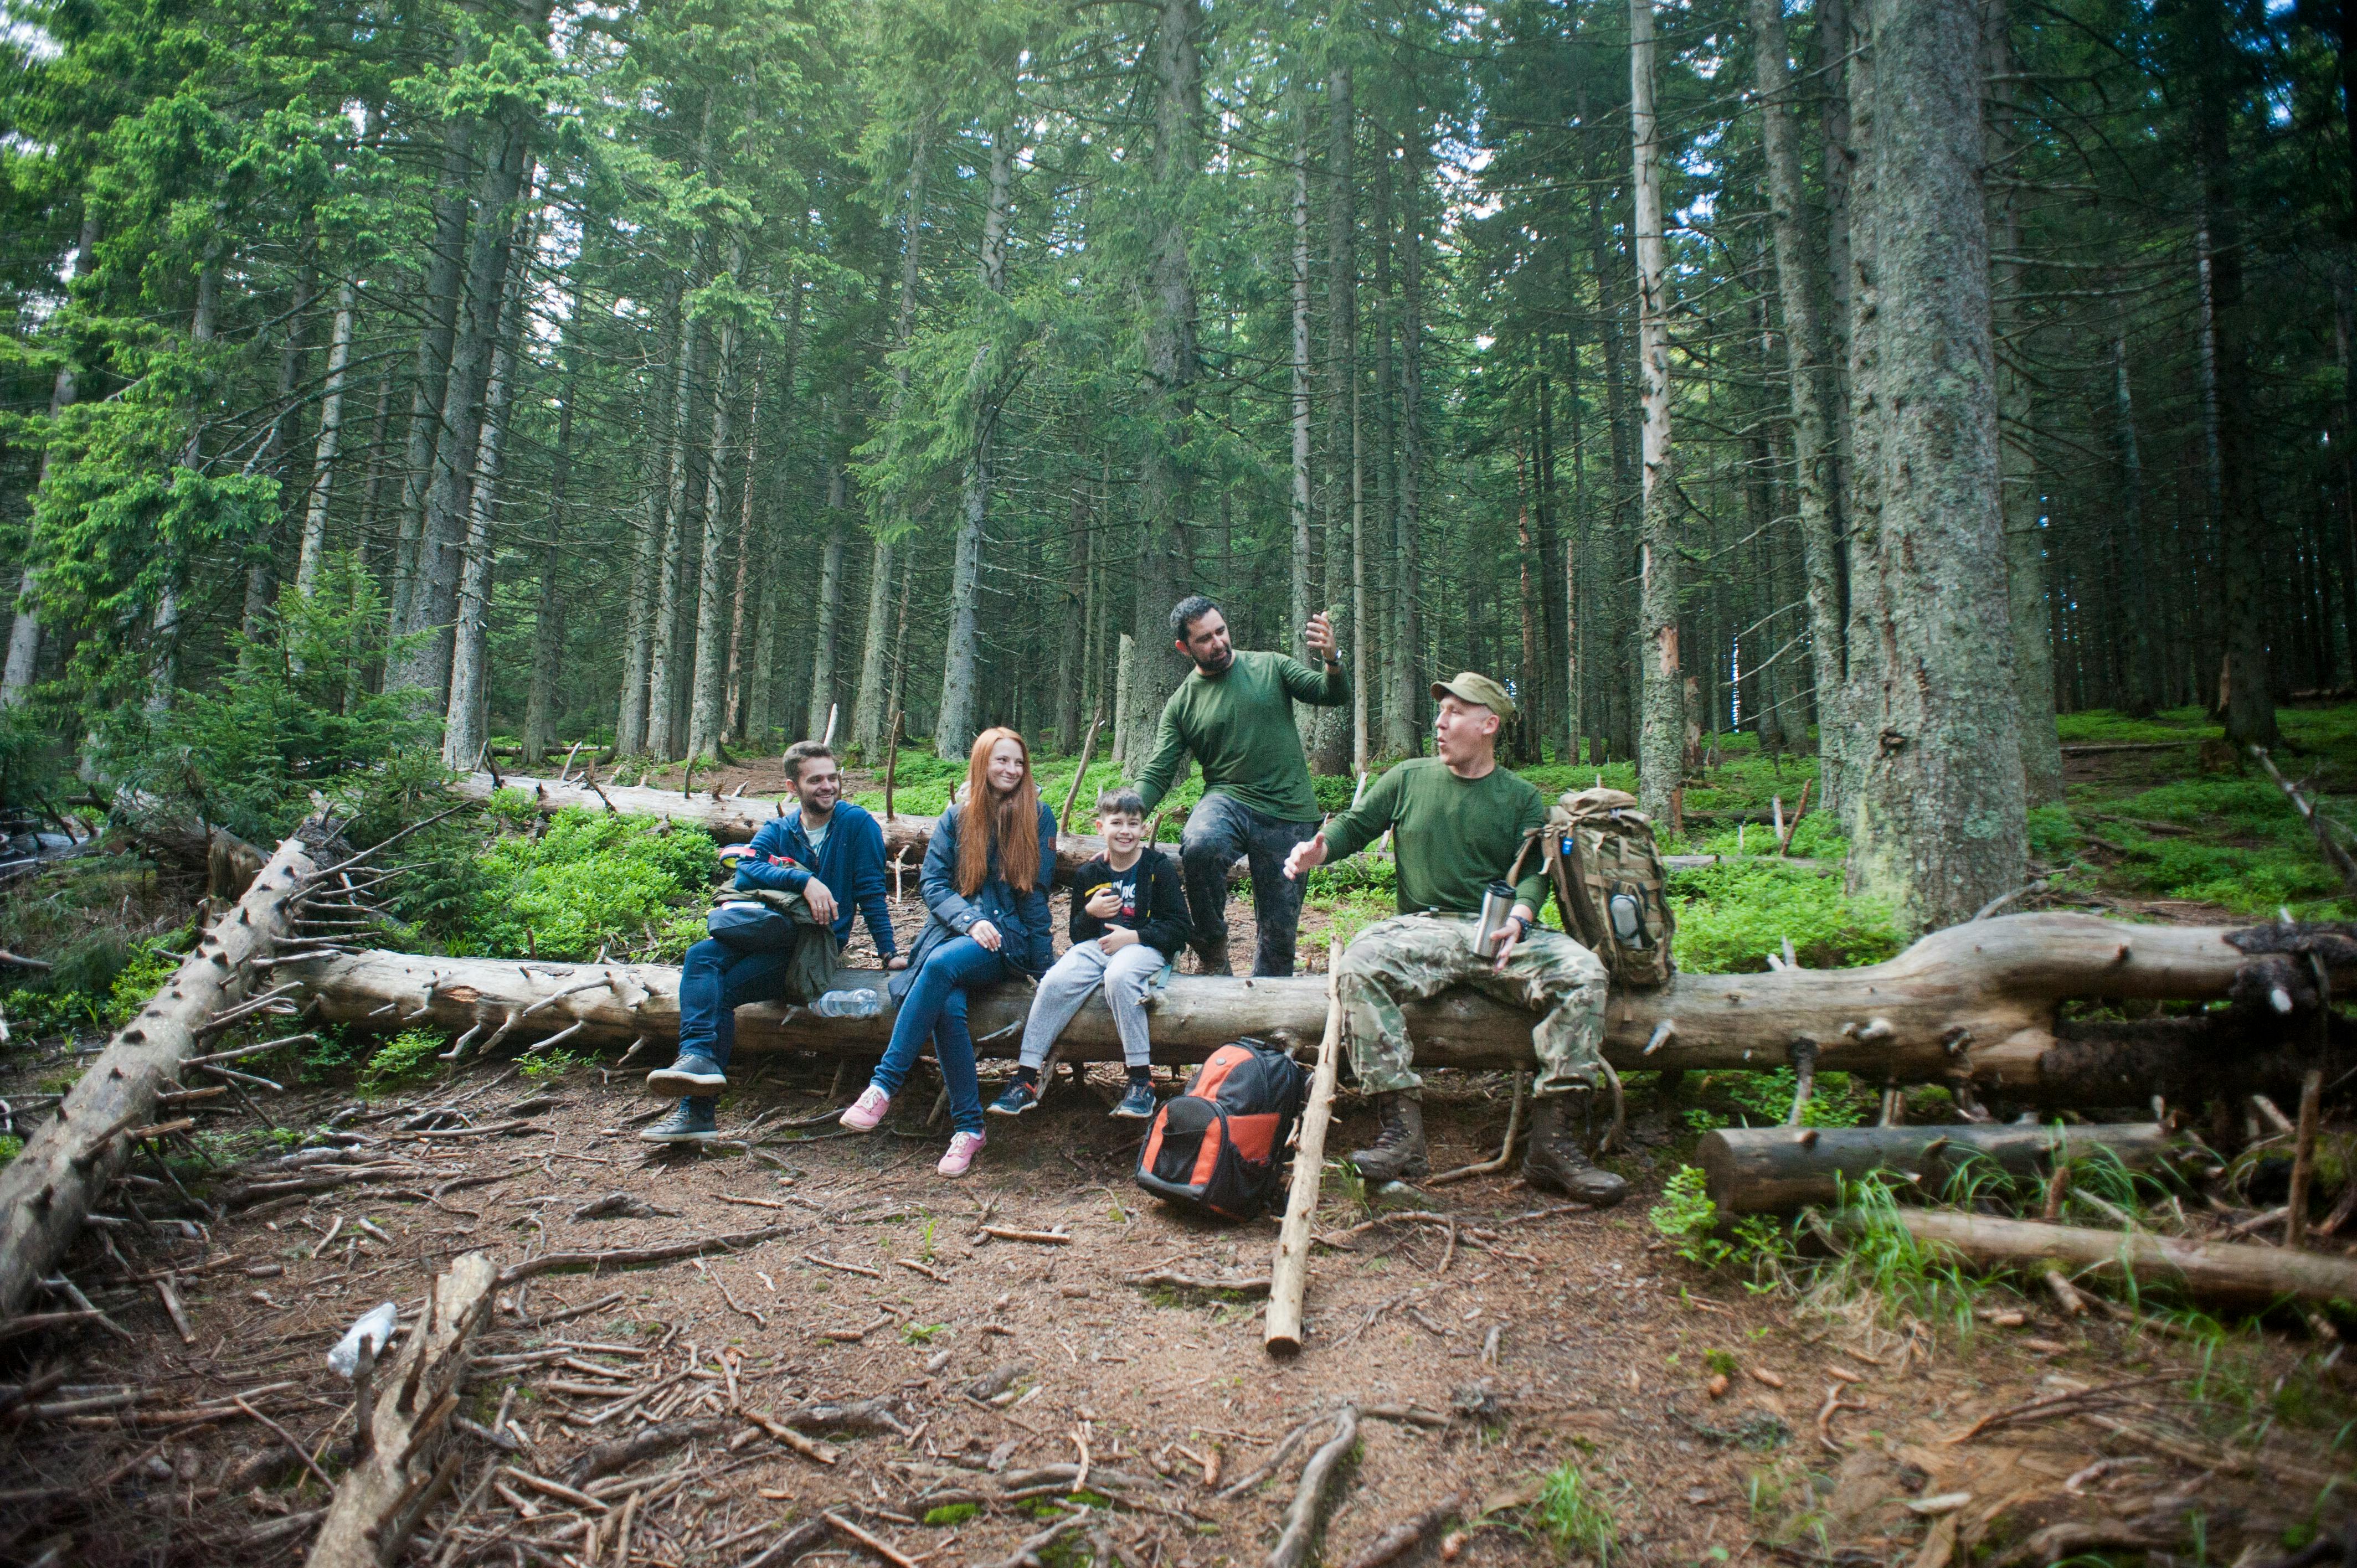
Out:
{"x": 851, "y": 863}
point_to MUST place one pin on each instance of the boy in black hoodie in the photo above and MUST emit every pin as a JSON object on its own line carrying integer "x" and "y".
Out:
{"x": 1129, "y": 918}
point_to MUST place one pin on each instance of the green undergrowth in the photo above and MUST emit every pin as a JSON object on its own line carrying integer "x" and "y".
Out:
{"x": 592, "y": 880}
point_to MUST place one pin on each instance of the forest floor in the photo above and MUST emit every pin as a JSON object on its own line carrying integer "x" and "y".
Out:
{"x": 1593, "y": 1394}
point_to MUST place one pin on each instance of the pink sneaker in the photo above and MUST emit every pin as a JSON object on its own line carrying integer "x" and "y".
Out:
{"x": 867, "y": 1110}
{"x": 964, "y": 1146}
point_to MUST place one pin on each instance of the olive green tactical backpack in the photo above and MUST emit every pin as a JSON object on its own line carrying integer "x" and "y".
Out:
{"x": 1609, "y": 882}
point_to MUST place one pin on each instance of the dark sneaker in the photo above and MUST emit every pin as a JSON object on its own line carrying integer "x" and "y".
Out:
{"x": 690, "y": 1124}
{"x": 1019, "y": 1097}
{"x": 1137, "y": 1104}
{"x": 690, "y": 1075}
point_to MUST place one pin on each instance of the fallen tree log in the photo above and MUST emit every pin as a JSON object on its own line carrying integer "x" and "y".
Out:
{"x": 399, "y": 1470}
{"x": 46, "y": 1190}
{"x": 1973, "y": 1003}
{"x": 1767, "y": 1170}
{"x": 733, "y": 819}
{"x": 2225, "y": 1273}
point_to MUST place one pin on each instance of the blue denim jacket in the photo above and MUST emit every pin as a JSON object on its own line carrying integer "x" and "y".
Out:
{"x": 1028, "y": 944}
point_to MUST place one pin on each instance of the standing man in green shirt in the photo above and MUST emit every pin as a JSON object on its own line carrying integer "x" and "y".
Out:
{"x": 1458, "y": 821}
{"x": 1233, "y": 714}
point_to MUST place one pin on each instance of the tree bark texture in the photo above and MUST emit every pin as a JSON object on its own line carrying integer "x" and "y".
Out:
{"x": 466, "y": 723}
{"x": 868, "y": 717}
{"x": 1815, "y": 483}
{"x": 1297, "y": 595}
{"x": 706, "y": 693}
{"x": 828, "y": 634}
{"x": 1939, "y": 826}
{"x": 1975, "y": 1004}
{"x": 445, "y": 262}
{"x": 958, "y": 720}
{"x": 2025, "y": 541}
{"x": 47, "y": 1189}
{"x": 1329, "y": 727}
{"x": 1166, "y": 483}
{"x": 2237, "y": 1274}
{"x": 313, "y": 542}
{"x": 1660, "y": 739}
{"x": 1768, "y": 1170}
{"x": 400, "y": 1467}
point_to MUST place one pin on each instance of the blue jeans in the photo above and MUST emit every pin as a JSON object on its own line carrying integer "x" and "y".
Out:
{"x": 935, "y": 1008}
{"x": 714, "y": 979}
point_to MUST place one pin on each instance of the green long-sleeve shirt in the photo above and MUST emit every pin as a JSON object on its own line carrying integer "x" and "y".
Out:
{"x": 1239, "y": 725}
{"x": 1452, "y": 836}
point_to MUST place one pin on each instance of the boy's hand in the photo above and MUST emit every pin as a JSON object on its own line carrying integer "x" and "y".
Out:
{"x": 1309, "y": 852}
{"x": 821, "y": 899}
{"x": 1104, "y": 903}
{"x": 1120, "y": 937}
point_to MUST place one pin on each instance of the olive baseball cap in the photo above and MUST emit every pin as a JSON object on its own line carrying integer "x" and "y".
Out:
{"x": 1474, "y": 687}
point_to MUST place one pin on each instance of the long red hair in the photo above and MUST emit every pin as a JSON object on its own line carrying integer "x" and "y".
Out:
{"x": 1010, "y": 823}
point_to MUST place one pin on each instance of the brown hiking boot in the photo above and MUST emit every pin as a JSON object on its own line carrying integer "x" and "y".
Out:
{"x": 1399, "y": 1153}
{"x": 1556, "y": 1162}
{"x": 1214, "y": 958}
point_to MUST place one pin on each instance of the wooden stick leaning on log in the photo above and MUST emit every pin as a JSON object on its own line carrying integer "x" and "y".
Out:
{"x": 398, "y": 1470}
{"x": 1975, "y": 1004}
{"x": 1289, "y": 1273}
{"x": 46, "y": 1191}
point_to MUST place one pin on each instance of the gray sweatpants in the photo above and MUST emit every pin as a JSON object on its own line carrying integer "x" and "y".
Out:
{"x": 1065, "y": 990}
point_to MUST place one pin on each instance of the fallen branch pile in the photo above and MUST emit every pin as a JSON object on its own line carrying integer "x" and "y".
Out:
{"x": 1975, "y": 1004}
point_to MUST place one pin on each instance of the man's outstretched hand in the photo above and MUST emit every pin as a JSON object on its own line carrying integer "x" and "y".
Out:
{"x": 1309, "y": 852}
{"x": 1319, "y": 635}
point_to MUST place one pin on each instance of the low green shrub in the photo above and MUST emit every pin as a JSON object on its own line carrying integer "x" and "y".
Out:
{"x": 11, "y": 1146}
{"x": 1730, "y": 916}
{"x": 592, "y": 880}
{"x": 406, "y": 1057}
{"x": 1579, "y": 1522}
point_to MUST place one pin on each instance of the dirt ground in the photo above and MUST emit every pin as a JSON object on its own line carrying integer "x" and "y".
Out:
{"x": 1494, "y": 1335}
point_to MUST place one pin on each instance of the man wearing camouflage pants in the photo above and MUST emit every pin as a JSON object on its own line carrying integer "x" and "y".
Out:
{"x": 1458, "y": 821}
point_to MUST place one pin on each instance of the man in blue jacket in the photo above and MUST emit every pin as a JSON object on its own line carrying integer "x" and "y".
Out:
{"x": 828, "y": 850}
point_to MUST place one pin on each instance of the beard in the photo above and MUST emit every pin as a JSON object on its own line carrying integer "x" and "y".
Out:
{"x": 1218, "y": 665}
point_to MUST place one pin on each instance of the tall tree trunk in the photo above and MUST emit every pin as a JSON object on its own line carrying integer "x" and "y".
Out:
{"x": 1815, "y": 479}
{"x": 261, "y": 554}
{"x": 1530, "y": 674}
{"x": 957, "y": 724}
{"x": 706, "y": 696}
{"x": 446, "y": 259}
{"x": 1330, "y": 732}
{"x": 1661, "y": 742}
{"x": 2025, "y": 543}
{"x": 747, "y": 554}
{"x": 1072, "y": 627}
{"x": 425, "y": 665}
{"x": 830, "y": 573}
{"x": 1939, "y": 827}
{"x": 1170, "y": 359}
{"x": 314, "y": 544}
{"x": 25, "y": 629}
{"x": 1548, "y": 703}
{"x": 466, "y": 721}
{"x": 1404, "y": 721}
{"x": 1835, "y": 41}
{"x": 548, "y": 604}
{"x": 869, "y": 716}
{"x": 1297, "y": 584}
{"x": 2242, "y": 529}
{"x": 662, "y": 706}
{"x": 163, "y": 622}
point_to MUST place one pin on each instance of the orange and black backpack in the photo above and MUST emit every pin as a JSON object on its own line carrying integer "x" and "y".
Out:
{"x": 1220, "y": 1145}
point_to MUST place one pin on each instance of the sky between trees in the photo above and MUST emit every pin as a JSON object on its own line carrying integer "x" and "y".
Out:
{"x": 1878, "y": 378}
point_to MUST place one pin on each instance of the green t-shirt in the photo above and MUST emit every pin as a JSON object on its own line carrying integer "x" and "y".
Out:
{"x": 1239, "y": 725}
{"x": 1452, "y": 836}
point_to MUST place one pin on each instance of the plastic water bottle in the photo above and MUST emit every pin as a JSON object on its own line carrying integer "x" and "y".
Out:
{"x": 373, "y": 1330}
{"x": 849, "y": 1004}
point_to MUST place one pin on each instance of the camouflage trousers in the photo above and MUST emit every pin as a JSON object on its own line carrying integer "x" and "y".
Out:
{"x": 1411, "y": 957}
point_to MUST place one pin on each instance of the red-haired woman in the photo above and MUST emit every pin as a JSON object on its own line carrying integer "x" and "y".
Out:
{"x": 985, "y": 885}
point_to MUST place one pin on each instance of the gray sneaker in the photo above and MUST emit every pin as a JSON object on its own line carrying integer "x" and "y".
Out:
{"x": 690, "y": 1122}
{"x": 692, "y": 1074}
